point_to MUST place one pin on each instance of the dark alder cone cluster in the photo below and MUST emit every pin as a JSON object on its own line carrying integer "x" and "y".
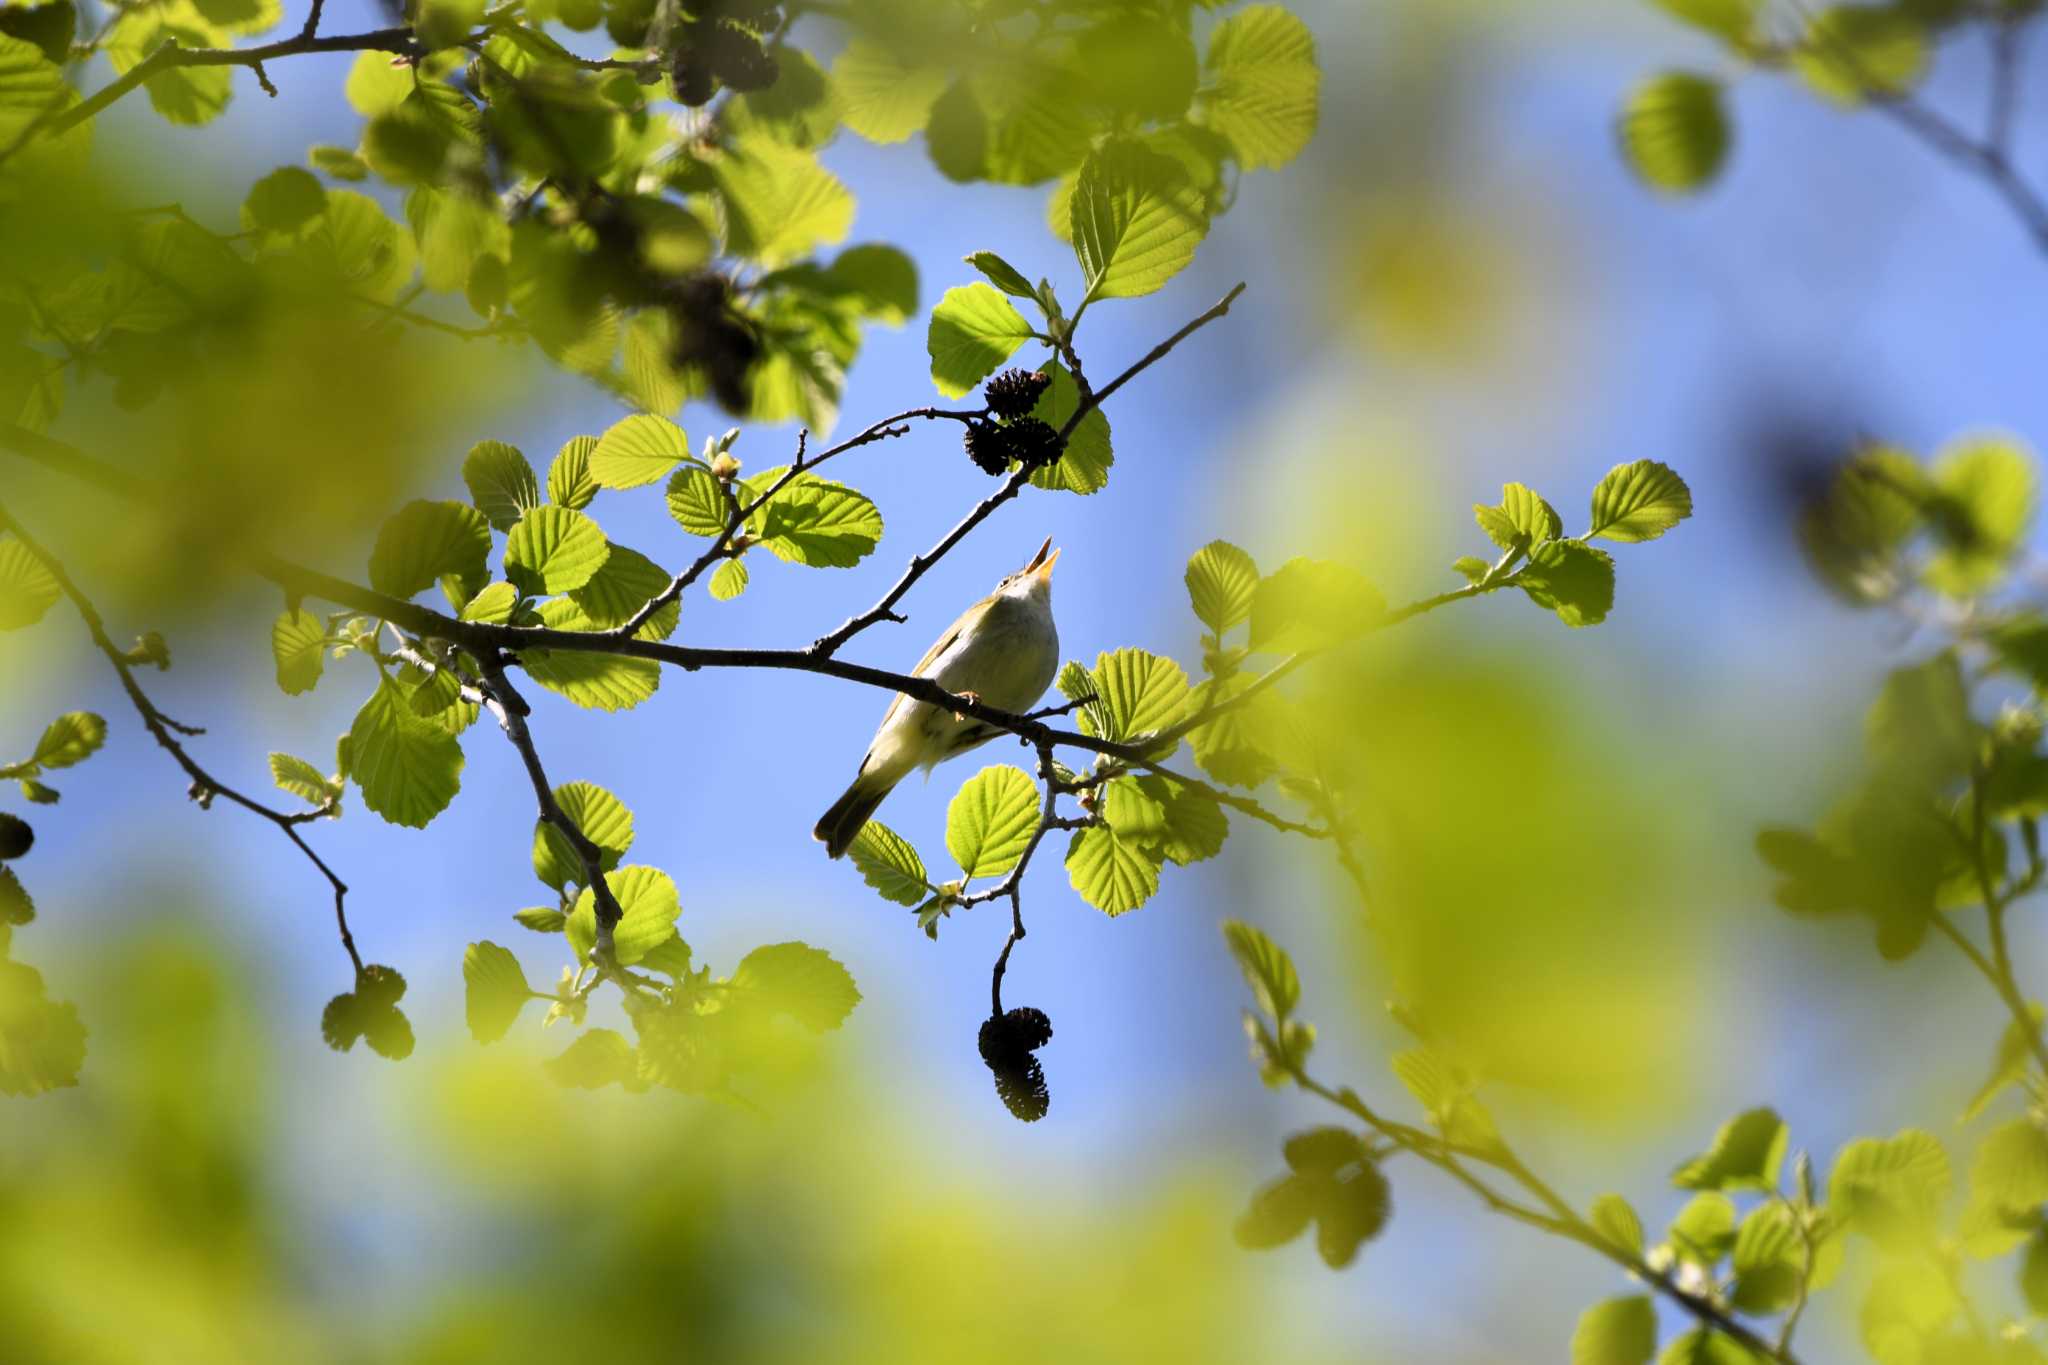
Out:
{"x": 1014, "y": 393}
{"x": 1007, "y": 1042}
{"x": 370, "y": 1012}
{"x": 1014, "y": 436}
{"x": 713, "y": 338}
{"x": 1334, "y": 1181}
{"x": 17, "y": 836}
{"x": 721, "y": 44}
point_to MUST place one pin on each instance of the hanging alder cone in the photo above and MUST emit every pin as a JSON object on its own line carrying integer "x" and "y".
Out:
{"x": 1014, "y": 393}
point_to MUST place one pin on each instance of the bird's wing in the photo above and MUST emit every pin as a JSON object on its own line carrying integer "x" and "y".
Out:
{"x": 931, "y": 656}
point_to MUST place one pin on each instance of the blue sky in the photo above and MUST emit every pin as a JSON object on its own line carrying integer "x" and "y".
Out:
{"x": 1839, "y": 275}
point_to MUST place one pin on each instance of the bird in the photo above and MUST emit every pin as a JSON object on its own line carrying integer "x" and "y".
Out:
{"x": 1002, "y": 652}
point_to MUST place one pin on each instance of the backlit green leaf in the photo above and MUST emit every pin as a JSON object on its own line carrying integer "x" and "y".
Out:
{"x": 569, "y": 479}
{"x": 501, "y": 483}
{"x": 729, "y": 580}
{"x": 1852, "y": 52}
{"x": 494, "y": 990}
{"x": 605, "y": 682}
{"x": 1221, "y": 579}
{"x": 554, "y": 550}
{"x": 604, "y": 820}
{"x": 991, "y": 820}
{"x": 1617, "y": 1332}
{"x": 1522, "y": 517}
{"x": 648, "y": 899}
{"x": 616, "y": 593}
{"x": 1981, "y": 502}
{"x": 1267, "y": 968}
{"x": 696, "y": 500}
{"x": 1136, "y": 692}
{"x": 71, "y": 738}
{"x": 974, "y": 330}
{"x": 795, "y": 979}
{"x": 888, "y": 863}
{"x": 1261, "y": 84}
{"x": 781, "y": 205}
{"x": 1613, "y": 1218}
{"x": 1892, "y": 1188}
{"x": 1083, "y": 467}
{"x": 880, "y": 96}
{"x": 1002, "y": 274}
{"x": 1111, "y": 873}
{"x": 27, "y": 589}
{"x": 426, "y": 540}
{"x": 1675, "y": 132}
{"x": 298, "y": 642}
{"x": 817, "y": 522}
{"x": 303, "y": 780}
{"x": 1309, "y": 604}
{"x": 1575, "y": 581}
{"x": 1137, "y": 219}
{"x": 409, "y": 768}
{"x": 634, "y": 451}
{"x": 1746, "y": 1154}
{"x": 1639, "y": 501}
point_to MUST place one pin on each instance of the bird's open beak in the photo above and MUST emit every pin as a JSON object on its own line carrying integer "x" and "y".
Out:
{"x": 1042, "y": 562}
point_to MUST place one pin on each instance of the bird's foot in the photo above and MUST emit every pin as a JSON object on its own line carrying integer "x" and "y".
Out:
{"x": 974, "y": 697}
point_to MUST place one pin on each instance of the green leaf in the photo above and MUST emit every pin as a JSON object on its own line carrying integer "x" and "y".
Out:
{"x": 1639, "y": 501}
{"x": 696, "y": 499}
{"x": 795, "y": 979}
{"x": 494, "y": 990}
{"x": 635, "y": 451}
{"x": 604, "y": 682}
{"x": 1852, "y": 52}
{"x": 670, "y": 956}
{"x": 494, "y": 605}
{"x": 974, "y": 330}
{"x": 1136, "y": 692}
{"x": 628, "y": 581}
{"x": 1704, "y": 1229}
{"x": 27, "y": 589}
{"x": 1261, "y": 85}
{"x": 648, "y": 899}
{"x": 881, "y": 96}
{"x": 298, "y": 641}
{"x": 598, "y": 1057}
{"x": 283, "y": 200}
{"x": 425, "y": 541}
{"x": 1981, "y": 504}
{"x": 1920, "y": 725}
{"x": 1111, "y": 873}
{"x": 1083, "y": 467}
{"x": 1617, "y": 1332}
{"x": 409, "y": 768}
{"x": 42, "y": 1042}
{"x": 1195, "y": 825}
{"x": 31, "y": 86}
{"x": 728, "y": 580}
{"x": 1267, "y": 969}
{"x": 1614, "y": 1219}
{"x": 71, "y": 738}
{"x": 2010, "y": 1170}
{"x": 1674, "y": 131}
{"x": 991, "y": 820}
{"x": 1221, "y": 579}
{"x": 1769, "y": 1259}
{"x": 1732, "y": 20}
{"x": 1573, "y": 580}
{"x": 1891, "y": 1189}
{"x": 569, "y": 479}
{"x": 888, "y": 863}
{"x": 338, "y": 162}
{"x": 303, "y": 780}
{"x": 554, "y": 550}
{"x": 189, "y": 95}
{"x": 501, "y": 483}
{"x": 817, "y": 522}
{"x": 1002, "y": 274}
{"x": 542, "y": 919}
{"x": 1702, "y": 1347}
{"x": 1522, "y": 518}
{"x": 454, "y": 229}
{"x": 604, "y": 820}
{"x": 1137, "y": 219}
{"x": 1746, "y": 1154}
{"x": 781, "y": 205}
{"x": 2008, "y": 1062}
{"x": 1309, "y": 604}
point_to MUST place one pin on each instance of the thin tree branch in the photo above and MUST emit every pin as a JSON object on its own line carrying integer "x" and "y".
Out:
{"x": 884, "y": 609}
{"x": 205, "y": 786}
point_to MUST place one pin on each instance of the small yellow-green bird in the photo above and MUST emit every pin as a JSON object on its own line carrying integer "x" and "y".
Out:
{"x": 1002, "y": 652}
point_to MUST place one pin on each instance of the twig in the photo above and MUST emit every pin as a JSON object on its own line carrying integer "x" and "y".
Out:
{"x": 511, "y": 711}
{"x": 165, "y": 730}
{"x": 884, "y": 609}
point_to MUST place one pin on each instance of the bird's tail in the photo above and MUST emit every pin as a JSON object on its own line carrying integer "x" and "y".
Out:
{"x": 837, "y": 827}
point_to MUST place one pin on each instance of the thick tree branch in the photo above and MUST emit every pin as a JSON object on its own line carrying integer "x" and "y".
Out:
{"x": 205, "y": 786}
